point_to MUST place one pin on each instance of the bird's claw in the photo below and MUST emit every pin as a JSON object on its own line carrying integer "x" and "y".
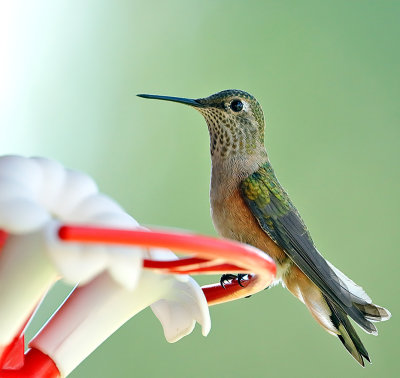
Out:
{"x": 230, "y": 277}
{"x": 225, "y": 278}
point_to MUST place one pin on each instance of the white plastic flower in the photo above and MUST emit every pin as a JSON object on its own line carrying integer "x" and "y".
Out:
{"x": 38, "y": 194}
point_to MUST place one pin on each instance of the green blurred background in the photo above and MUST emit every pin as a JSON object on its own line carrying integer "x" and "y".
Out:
{"x": 327, "y": 75}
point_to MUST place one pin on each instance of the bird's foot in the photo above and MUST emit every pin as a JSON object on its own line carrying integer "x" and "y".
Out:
{"x": 229, "y": 277}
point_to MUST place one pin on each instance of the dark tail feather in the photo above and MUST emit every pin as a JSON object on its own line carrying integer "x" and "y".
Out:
{"x": 347, "y": 334}
{"x": 373, "y": 312}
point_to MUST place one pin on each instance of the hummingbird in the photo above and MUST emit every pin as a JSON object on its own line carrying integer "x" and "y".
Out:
{"x": 249, "y": 205}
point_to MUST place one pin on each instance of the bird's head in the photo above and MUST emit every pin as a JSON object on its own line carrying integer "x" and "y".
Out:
{"x": 235, "y": 122}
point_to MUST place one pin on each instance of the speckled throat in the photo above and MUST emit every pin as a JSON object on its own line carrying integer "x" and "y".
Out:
{"x": 230, "y": 135}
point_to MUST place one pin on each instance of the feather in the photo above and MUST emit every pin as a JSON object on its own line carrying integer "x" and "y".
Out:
{"x": 278, "y": 217}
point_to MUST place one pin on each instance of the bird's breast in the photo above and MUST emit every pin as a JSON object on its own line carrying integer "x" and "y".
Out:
{"x": 234, "y": 220}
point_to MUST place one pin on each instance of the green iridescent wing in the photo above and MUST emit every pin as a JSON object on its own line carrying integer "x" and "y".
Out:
{"x": 277, "y": 216}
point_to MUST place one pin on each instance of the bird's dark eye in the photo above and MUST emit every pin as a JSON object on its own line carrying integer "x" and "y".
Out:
{"x": 236, "y": 105}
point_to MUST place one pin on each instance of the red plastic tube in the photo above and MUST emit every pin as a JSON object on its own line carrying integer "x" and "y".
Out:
{"x": 212, "y": 256}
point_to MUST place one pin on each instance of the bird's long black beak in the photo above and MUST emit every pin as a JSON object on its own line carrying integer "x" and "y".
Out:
{"x": 186, "y": 101}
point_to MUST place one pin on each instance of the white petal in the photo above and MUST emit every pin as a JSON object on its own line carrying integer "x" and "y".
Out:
{"x": 178, "y": 313}
{"x": 23, "y": 170}
{"x": 76, "y": 189}
{"x": 79, "y": 262}
{"x": 21, "y": 215}
{"x": 90, "y": 315}
{"x": 54, "y": 176}
{"x": 162, "y": 254}
{"x": 92, "y": 206}
{"x": 76, "y": 262}
{"x": 10, "y": 189}
{"x": 26, "y": 272}
{"x": 125, "y": 265}
{"x": 115, "y": 220}
{"x": 166, "y": 255}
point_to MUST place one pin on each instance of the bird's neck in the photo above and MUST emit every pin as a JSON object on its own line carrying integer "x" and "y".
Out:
{"x": 228, "y": 172}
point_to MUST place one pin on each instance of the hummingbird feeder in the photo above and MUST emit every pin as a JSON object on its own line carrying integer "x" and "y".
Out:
{"x": 54, "y": 224}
